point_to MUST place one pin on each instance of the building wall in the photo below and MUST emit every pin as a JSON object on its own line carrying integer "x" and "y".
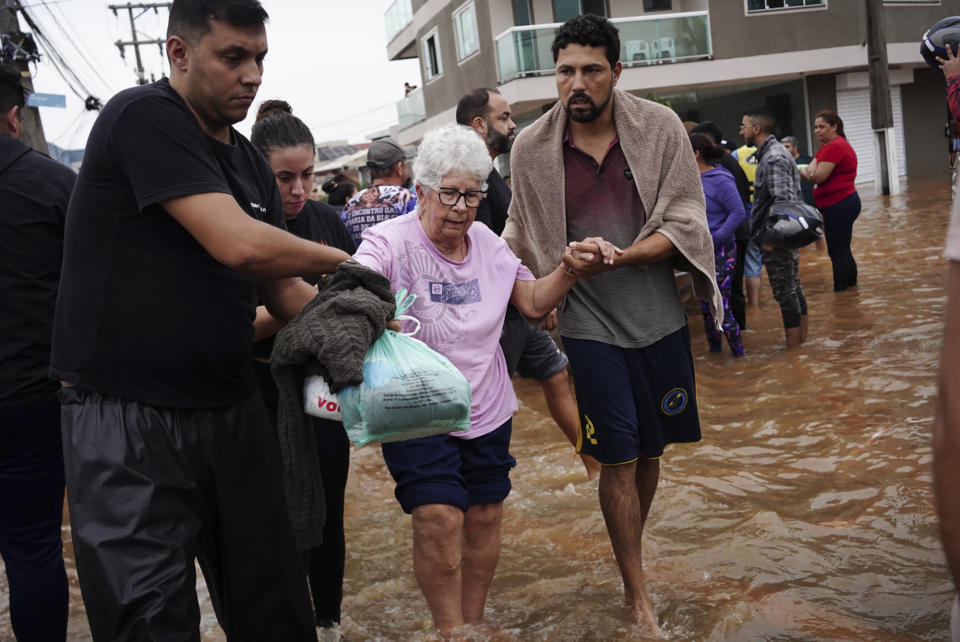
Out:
{"x": 542, "y": 11}
{"x": 924, "y": 119}
{"x": 821, "y": 94}
{"x": 629, "y": 8}
{"x": 501, "y": 16}
{"x": 479, "y": 70}
{"x": 737, "y": 34}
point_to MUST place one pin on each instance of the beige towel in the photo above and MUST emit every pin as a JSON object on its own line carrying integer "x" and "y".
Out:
{"x": 658, "y": 152}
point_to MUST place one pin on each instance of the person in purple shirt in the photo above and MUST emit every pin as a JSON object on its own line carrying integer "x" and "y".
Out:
{"x": 724, "y": 213}
{"x": 463, "y": 276}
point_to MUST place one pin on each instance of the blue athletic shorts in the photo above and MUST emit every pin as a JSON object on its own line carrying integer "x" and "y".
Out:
{"x": 449, "y": 470}
{"x": 632, "y": 402}
{"x": 530, "y": 350}
{"x": 753, "y": 263}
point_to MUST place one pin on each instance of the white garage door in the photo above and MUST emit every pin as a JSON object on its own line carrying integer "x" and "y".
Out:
{"x": 853, "y": 105}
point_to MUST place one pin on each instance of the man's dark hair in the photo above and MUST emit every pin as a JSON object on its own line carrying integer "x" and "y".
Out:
{"x": 590, "y": 31}
{"x": 190, "y": 19}
{"x": 382, "y": 172}
{"x": 709, "y": 128}
{"x": 763, "y": 117}
{"x": 12, "y": 93}
{"x": 474, "y": 104}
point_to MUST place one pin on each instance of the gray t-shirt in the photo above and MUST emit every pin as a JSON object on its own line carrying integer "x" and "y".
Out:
{"x": 630, "y": 307}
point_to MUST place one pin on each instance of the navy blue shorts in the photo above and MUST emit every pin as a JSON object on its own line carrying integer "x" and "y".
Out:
{"x": 530, "y": 350}
{"x": 449, "y": 470}
{"x": 632, "y": 402}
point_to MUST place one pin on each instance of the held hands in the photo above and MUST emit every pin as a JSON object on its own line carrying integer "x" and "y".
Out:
{"x": 951, "y": 65}
{"x": 549, "y": 323}
{"x": 590, "y": 256}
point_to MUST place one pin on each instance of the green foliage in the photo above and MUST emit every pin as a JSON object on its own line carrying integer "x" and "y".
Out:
{"x": 658, "y": 99}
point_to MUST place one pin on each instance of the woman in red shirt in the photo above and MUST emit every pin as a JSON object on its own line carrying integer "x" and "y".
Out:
{"x": 833, "y": 171}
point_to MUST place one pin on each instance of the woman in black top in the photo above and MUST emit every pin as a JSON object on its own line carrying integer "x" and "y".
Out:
{"x": 288, "y": 146}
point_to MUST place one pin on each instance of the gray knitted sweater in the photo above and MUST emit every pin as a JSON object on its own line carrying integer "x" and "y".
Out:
{"x": 330, "y": 338}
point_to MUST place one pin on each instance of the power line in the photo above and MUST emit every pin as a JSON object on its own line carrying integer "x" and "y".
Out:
{"x": 76, "y": 41}
{"x": 355, "y": 116}
{"x": 73, "y": 81}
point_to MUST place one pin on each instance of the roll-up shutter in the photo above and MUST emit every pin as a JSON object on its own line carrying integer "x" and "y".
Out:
{"x": 853, "y": 106}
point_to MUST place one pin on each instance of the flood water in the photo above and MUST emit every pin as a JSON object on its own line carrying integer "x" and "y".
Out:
{"x": 806, "y": 513}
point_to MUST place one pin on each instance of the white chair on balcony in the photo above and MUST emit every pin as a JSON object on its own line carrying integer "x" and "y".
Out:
{"x": 664, "y": 48}
{"x": 637, "y": 50}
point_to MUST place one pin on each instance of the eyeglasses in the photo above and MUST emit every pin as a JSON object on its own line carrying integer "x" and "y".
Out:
{"x": 450, "y": 196}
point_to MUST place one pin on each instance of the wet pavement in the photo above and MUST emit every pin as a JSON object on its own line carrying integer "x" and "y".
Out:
{"x": 806, "y": 513}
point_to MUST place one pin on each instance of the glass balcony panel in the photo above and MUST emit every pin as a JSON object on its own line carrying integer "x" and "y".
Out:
{"x": 523, "y": 51}
{"x": 397, "y": 17}
{"x": 680, "y": 38}
{"x": 411, "y": 110}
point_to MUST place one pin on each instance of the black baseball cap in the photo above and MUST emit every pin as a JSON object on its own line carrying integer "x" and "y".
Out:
{"x": 384, "y": 153}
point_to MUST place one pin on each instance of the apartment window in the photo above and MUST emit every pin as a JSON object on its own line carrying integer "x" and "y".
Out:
{"x": 772, "y": 5}
{"x": 465, "y": 28}
{"x": 563, "y": 10}
{"x": 432, "y": 67}
{"x": 522, "y": 13}
{"x": 930, "y": 2}
{"x": 657, "y": 5}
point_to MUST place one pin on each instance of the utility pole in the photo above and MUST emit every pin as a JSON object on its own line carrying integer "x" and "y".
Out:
{"x": 32, "y": 127}
{"x": 136, "y": 42}
{"x": 881, "y": 107}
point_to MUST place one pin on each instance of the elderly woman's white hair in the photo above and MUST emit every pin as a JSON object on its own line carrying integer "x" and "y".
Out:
{"x": 451, "y": 148}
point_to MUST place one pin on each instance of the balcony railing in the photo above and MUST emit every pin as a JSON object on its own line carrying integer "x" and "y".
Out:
{"x": 398, "y": 16}
{"x": 410, "y": 110}
{"x": 676, "y": 37}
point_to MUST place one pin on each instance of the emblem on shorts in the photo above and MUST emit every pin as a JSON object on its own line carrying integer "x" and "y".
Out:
{"x": 674, "y": 402}
{"x": 590, "y": 431}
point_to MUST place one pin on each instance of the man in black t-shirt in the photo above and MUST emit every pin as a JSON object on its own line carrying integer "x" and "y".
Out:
{"x": 174, "y": 230}
{"x": 527, "y": 349}
{"x": 34, "y": 192}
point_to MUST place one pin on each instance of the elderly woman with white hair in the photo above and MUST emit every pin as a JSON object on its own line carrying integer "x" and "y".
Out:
{"x": 463, "y": 275}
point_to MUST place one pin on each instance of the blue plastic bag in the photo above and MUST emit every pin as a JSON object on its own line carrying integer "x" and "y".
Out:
{"x": 408, "y": 391}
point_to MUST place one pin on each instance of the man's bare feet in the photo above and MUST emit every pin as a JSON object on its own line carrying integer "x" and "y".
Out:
{"x": 644, "y": 613}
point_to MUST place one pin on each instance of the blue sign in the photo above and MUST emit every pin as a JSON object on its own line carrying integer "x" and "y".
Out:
{"x": 47, "y": 100}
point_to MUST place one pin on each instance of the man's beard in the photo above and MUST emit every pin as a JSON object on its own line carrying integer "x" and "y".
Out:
{"x": 585, "y": 116}
{"x": 497, "y": 141}
{"x": 407, "y": 182}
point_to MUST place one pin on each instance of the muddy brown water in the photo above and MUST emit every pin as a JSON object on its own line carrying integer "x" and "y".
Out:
{"x": 806, "y": 513}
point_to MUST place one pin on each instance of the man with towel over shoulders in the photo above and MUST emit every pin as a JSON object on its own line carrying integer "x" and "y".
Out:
{"x": 603, "y": 163}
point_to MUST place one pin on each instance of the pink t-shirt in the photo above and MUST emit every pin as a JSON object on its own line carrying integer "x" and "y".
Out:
{"x": 460, "y": 305}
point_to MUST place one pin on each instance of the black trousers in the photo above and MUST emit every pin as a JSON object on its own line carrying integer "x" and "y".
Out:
{"x": 152, "y": 489}
{"x": 783, "y": 270}
{"x": 31, "y": 512}
{"x": 325, "y": 563}
{"x": 838, "y": 228}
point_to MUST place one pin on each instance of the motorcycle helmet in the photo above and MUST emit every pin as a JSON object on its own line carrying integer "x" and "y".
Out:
{"x": 933, "y": 44}
{"x": 792, "y": 225}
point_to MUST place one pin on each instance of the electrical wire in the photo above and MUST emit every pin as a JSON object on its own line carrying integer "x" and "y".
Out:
{"x": 68, "y": 136}
{"x": 75, "y": 40}
{"x": 76, "y": 85}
